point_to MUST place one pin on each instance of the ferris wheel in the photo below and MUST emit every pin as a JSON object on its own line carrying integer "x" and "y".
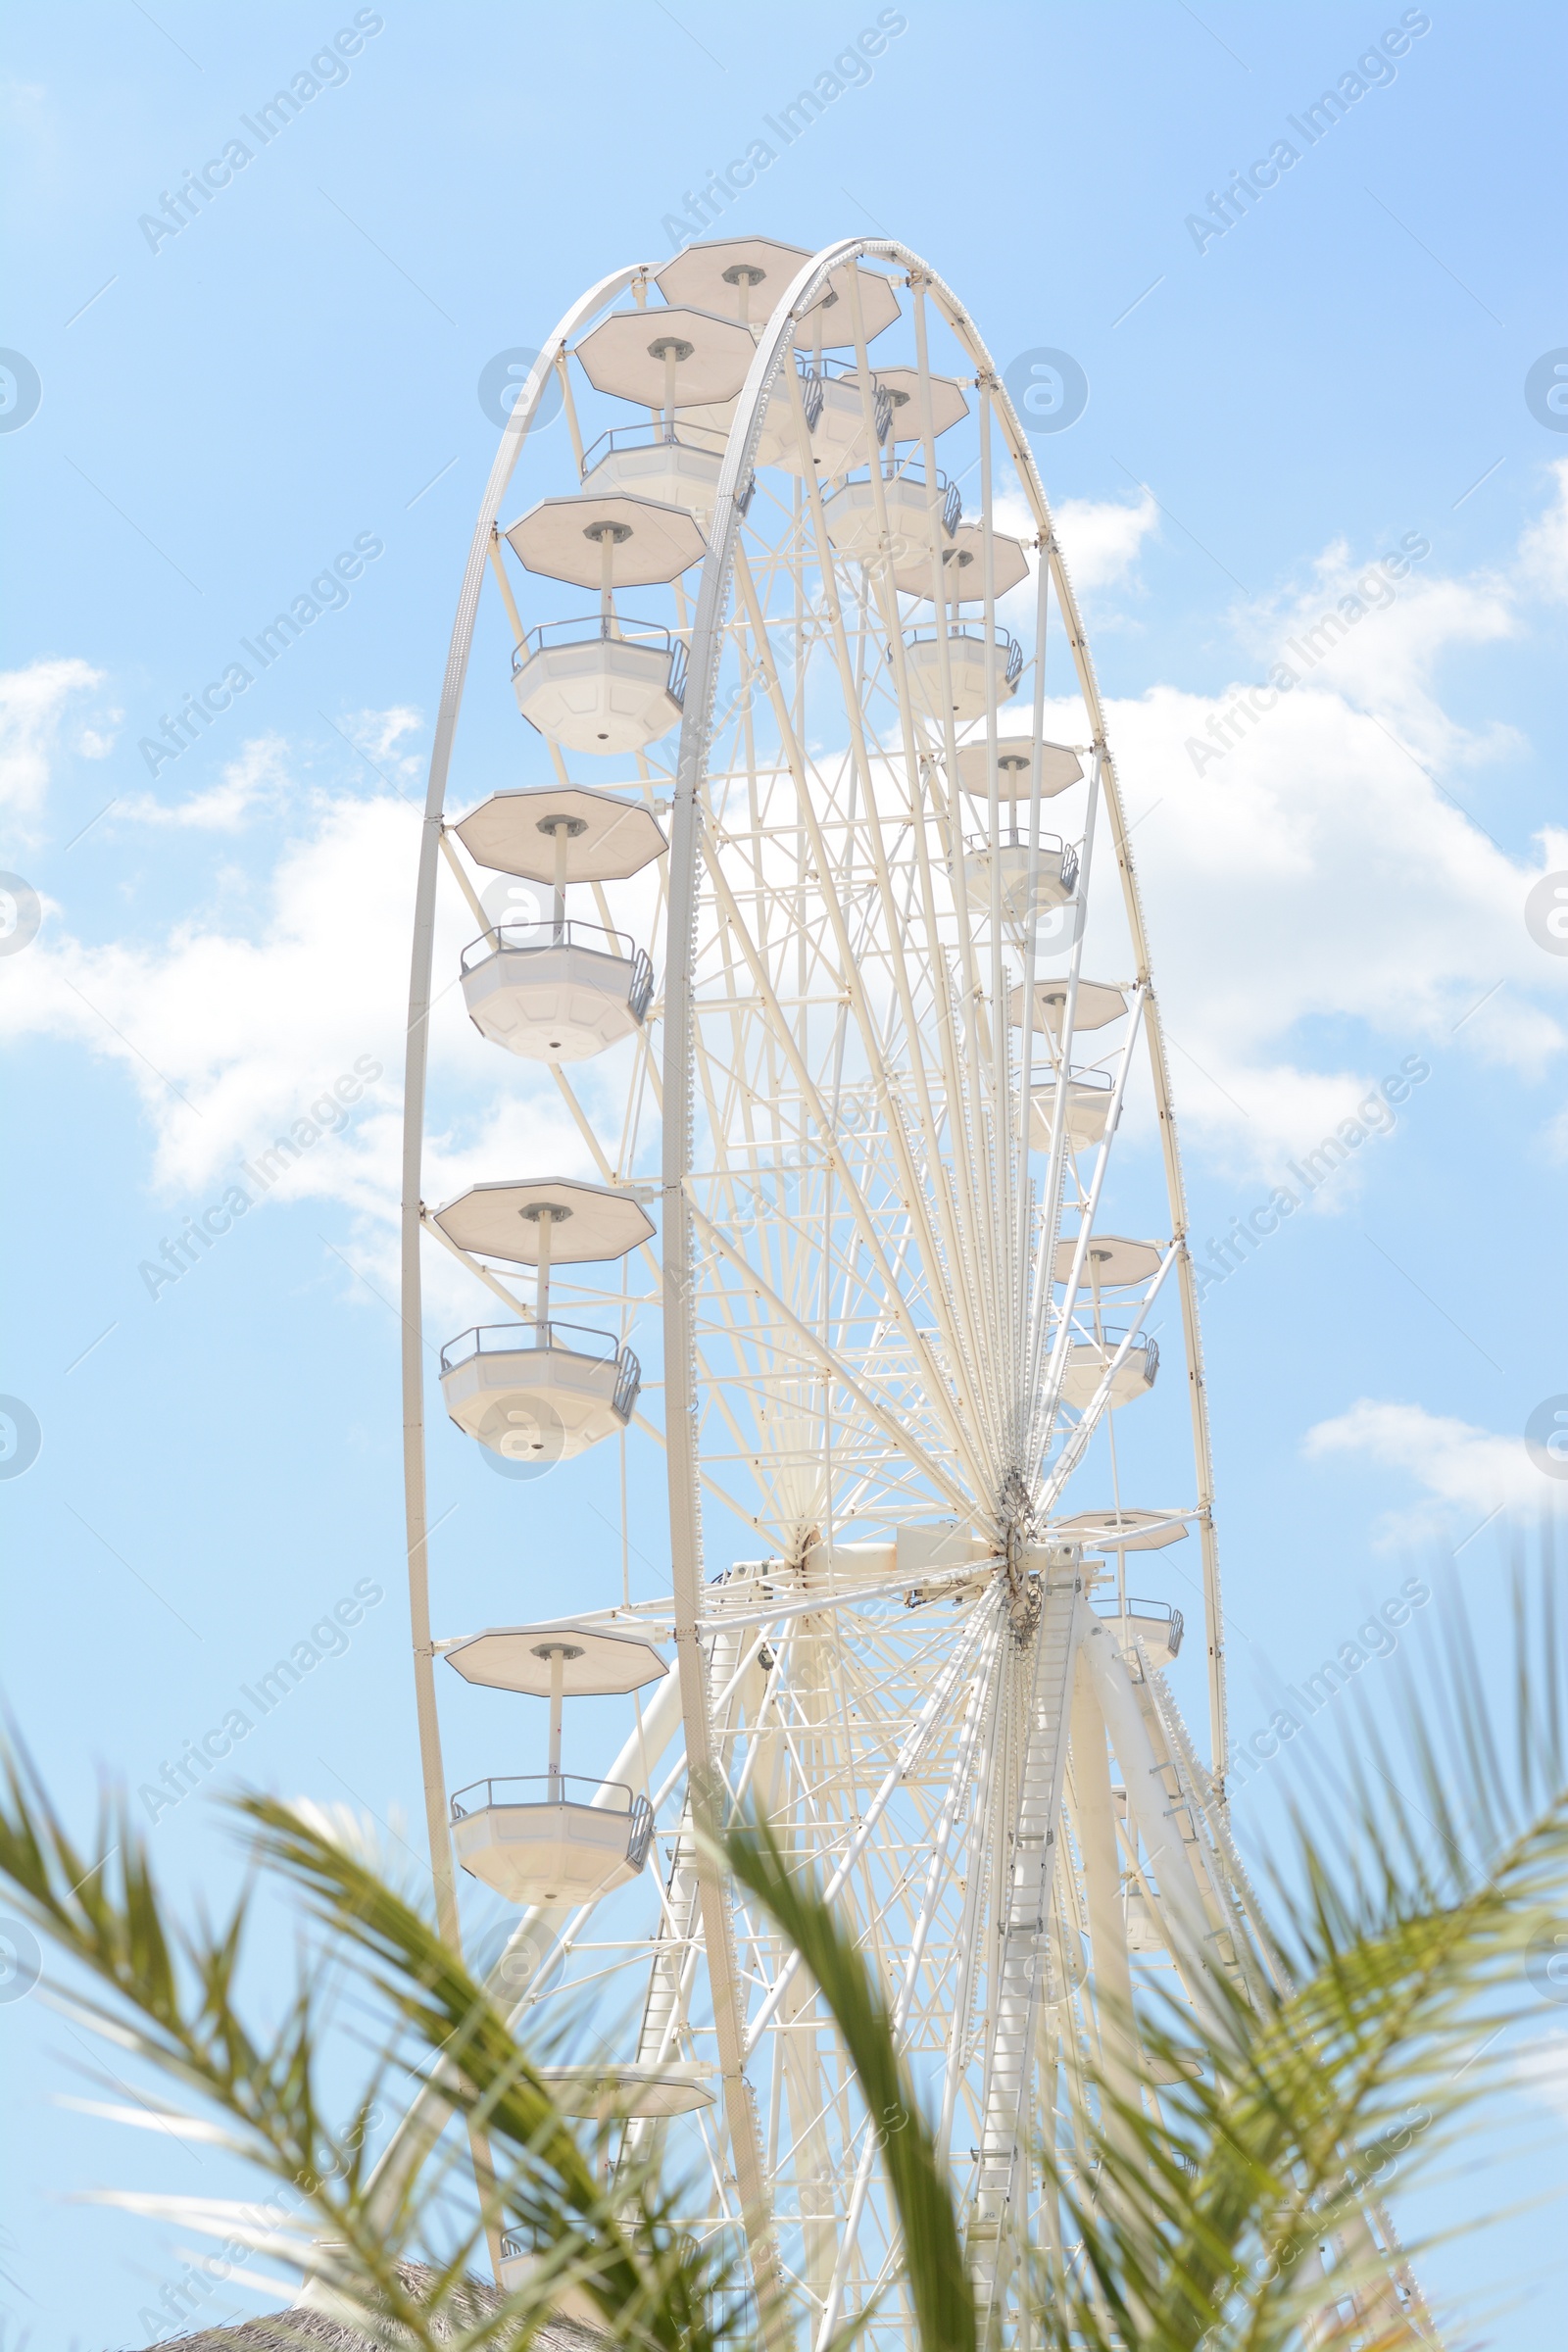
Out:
{"x": 812, "y": 906}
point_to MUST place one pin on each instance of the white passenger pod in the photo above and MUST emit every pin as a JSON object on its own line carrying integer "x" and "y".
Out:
{"x": 555, "y": 992}
{"x": 616, "y": 691}
{"x": 676, "y": 465}
{"x": 915, "y": 516}
{"x": 1089, "y": 1093}
{"x": 545, "y": 1840}
{"x": 543, "y": 1410}
{"x": 746, "y": 275}
{"x": 552, "y": 1838}
{"x": 558, "y": 991}
{"x": 539, "y": 1392}
{"x": 836, "y": 420}
{"x": 600, "y": 683}
{"x": 776, "y": 434}
{"x": 1033, "y": 875}
{"x": 829, "y": 323}
{"x": 1088, "y": 1361}
{"x": 971, "y": 665}
{"x": 1154, "y": 1623}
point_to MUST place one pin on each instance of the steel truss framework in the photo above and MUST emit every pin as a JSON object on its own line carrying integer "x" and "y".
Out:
{"x": 872, "y": 1282}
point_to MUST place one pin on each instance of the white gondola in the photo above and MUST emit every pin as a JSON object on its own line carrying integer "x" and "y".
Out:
{"x": 545, "y": 1391}
{"x": 553, "y": 1838}
{"x": 677, "y": 465}
{"x": 1088, "y": 1361}
{"x": 1034, "y": 874}
{"x": 834, "y": 416}
{"x": 836, "y": 421}
{"x": 558, "y": 991}
{"x": 914, "y": 515}
{"x": 617, "y": 690}
{"x": 972, "y": 661}
{"x": 1154, "y": 1625}
{"x": 1089, "y": 1093}
{"x": 601, "y": 684}
{"x": 743, "y": 272}
{"x": 555, "y": 992}
{"x": 749, "y": 273}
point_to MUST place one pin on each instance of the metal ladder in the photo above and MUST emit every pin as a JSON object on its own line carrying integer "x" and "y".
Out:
{"x": 1023, "y": 1926}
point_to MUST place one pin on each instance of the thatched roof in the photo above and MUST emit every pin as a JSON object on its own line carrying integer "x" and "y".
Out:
{"x": 306, "y": 2330}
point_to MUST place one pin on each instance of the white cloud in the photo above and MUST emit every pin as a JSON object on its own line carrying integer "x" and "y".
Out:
{"x": 33, "y": 704}
{"x": 1543, "y": 549}
{"x": 1321, "y": 870}
{"x": 1459, "y": 1467}
{"x": 1384, "y": 659}
{"x": 255, "y": 780}
{"x": 383, "y": 734}
{"x": 227, "y": 1037}
{"x": 1102, "y": 539}
{"x": 1540, "y": 2069}
{"x": 1325, "y": 860}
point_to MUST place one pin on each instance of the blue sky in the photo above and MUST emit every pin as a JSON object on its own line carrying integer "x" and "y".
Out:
{"x": 1340, "y": 374}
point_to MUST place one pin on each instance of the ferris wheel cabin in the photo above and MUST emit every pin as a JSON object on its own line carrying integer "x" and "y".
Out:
{"x": 601, "y": 682}
{"x": 552, "y": 1838}
{"x": 563, "y": 990}
{"x": 1089, "y": 1098}
{"x": 545, "y": 1391}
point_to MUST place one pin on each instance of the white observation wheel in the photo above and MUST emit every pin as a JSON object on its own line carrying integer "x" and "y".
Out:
{"x": 836, "y": 960}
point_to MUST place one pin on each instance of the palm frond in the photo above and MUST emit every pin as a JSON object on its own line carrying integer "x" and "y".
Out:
{"x": 171, "y": 1996}
{"x": 1421, "y": 1857}
{"x": 934, "y": 2266}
